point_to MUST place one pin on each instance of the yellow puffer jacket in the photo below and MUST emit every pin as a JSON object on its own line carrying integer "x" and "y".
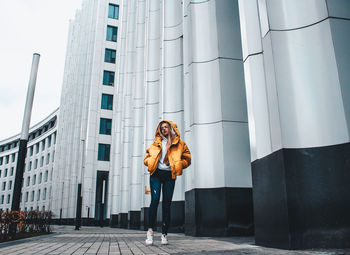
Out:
{"x": 179, "y": 155}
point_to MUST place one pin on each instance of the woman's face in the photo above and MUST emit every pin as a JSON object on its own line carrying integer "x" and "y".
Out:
{"x": 165, "y": 129}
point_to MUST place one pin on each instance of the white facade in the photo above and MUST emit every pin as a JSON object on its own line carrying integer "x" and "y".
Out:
{"x": 39, "y": 165}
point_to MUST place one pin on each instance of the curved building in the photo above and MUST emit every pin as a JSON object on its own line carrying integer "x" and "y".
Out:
{"x": 38, "y": 170}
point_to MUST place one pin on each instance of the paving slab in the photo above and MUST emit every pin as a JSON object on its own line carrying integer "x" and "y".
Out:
{"x": 116, "y": 241}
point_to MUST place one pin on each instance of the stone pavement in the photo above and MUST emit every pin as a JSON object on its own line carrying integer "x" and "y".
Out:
{"x": 96, "y": 240}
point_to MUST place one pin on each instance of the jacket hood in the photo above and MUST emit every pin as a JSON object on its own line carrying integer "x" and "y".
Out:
{"x": 174, "y": 129}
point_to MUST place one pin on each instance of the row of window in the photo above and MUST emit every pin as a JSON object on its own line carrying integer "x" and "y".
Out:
{"x": 6, "y": 171}
{"x": 46, "y": 176}
{"x": 26, "y": 198}
{"x": 6, "y": 159}
{"x": 41, "y": 161}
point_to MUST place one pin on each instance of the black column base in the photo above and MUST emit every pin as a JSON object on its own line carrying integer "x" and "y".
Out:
{"x": 113, "y": 223}
{"x": 177, "y": 217}
{"x": 144, "y": 218}
{"x": 302, "y": 198}
{"x": 219, "y": 212}
{"x": 123, "y": 220}
{"x": 134, "y": 218}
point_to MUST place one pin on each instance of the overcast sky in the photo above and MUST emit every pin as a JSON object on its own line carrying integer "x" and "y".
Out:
{"x": 26, "y": 27}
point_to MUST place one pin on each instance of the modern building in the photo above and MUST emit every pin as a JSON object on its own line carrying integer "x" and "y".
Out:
{"x": 259, "y": 91}
{"x": 38, "y": 170}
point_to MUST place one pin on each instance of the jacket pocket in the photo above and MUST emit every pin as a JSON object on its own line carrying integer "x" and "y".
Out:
{"x": 178, "y": 168}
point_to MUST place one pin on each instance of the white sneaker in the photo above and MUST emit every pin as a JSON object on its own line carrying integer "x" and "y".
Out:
{"x": 164, "y": 239}
{"x": 149, "y": 240}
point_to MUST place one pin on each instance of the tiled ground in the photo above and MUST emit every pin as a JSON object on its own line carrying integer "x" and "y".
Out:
{"x": 96, "y": 240}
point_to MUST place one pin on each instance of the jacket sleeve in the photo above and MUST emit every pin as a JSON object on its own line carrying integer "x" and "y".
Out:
{"x": 147, "y": 156}
{"x": 186, "y": 157}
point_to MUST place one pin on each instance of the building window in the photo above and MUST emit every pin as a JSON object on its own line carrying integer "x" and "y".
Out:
{"x": 46, "y": 176}
{"x": 7, "y": 159}
{"x": 53, "y": 156}
{"x": 49, "y": 142}
{"x": 110, "y": 56}
{"x": 38, "y": 195}
{"x": 11, "y": 171}
{"x": 2, "y": 199}
{"x": 48, "y": 159}
{"x": 34, "y": 179}
{"x": 28, "y": 181}
{"x": 40, "y": 177}
{"x": 1, "y": 161}
{"x": 43, "y": 145}
{"x": 32, "y": 197}
{"x": 112, "y": 33}
{"x": 108, "y": 78}
{"x": 113, "y": 11}
{"x": 13, "y": 156}
{"x": 103, "y": 151}
{"x": 37, "y": 148}
{"x": 9, "y": 185}
{"x": 30, "y": 166}
{"x": 107, "y": 102}
{"x": 41, "y": 161}
{"x": 36, "y": 164}
{"x": 31, "y": 151}
{"x": 5, "y": 172}
{"x": 8, "y": 198}
{"x": 3, "y": 186}
{"x": 26, "y": 197}
{"x": 44, "y": 194}
{"x": 105, "y": 126}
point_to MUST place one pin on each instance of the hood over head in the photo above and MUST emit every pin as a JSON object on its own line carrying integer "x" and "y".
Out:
{"x": 158, "y": 137}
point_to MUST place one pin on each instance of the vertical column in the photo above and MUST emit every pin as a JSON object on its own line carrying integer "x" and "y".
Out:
{"x": 127, "y": 116}
{"x": 297, "y": 121}
{"x": 117, "y": 112}
{"x": 152, "y": 89}
{"x": 172, "y": 92}
{"x": 220, "y": 143}
{"x": 138, "y": 125}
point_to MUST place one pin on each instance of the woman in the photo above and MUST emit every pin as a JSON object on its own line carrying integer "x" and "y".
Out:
{"x": 166, "y": 157}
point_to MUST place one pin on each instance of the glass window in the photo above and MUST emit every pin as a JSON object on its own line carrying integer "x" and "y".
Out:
{"x": 8, "y": 198}
{"x": 35, "y": 163}
{"x": 41, "y": 161}
{"x": 112, "y": 33}
{"x": 49, "y": 142}
{"x": 9, "y": 185}
{"x": 2, "y": 199}
{"x": 5, "y": 172}
{"x": 44, "y": 195}
{"x": 1, "y": 161}
{"x": 37, "y": 148}
{"x": 30, "y": 166}
{"x": 53, "y": 156}
{"x": 32, "y": 197}
{"x": 107, "y": 102}
{"x": 46, "y": 176}
{"x": 3, "y": 186}
{"x": 11, "y": 171}
{"x": 105, "y": 126}
{"x": 31, "y": 151}
{"x": 38, "y": 195}
{"x": 28, "y": 181}
{"x": 43, "y": 145}
{"x": 7, "y": 159}
{"x": 110, "y": 56}
{"x": 103, "y": 151}
{"x": 48, "y": 158}
{"x": 108, "y": 78}
{"x": 34, "y": 179}
{"x": 26, "y": 197}
{"x": 40, "y": 178}
{"x": 13, "y": 156}
{"x": 113, "y": 11}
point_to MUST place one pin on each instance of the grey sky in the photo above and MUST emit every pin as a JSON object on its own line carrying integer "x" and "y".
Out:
{"x": 26, "y": 27}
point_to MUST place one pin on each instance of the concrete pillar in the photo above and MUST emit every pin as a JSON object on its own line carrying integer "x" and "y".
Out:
{"x": 220, "y": 143}
{"x": 152, "y": 89}
{"x": 118, "y": 110}
{"x": 172, "y": 94}
{"x": 298, "y": 108}
{"x": 136, "y": 189}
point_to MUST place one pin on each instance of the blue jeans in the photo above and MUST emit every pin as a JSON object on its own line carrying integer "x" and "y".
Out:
{"x": 161, "y": 179}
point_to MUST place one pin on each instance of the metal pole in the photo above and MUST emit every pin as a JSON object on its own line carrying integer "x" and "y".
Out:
{"x": 22, "y": 151}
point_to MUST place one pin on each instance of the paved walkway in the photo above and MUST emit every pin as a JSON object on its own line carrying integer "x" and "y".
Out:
{"x": 96, "y": 240}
